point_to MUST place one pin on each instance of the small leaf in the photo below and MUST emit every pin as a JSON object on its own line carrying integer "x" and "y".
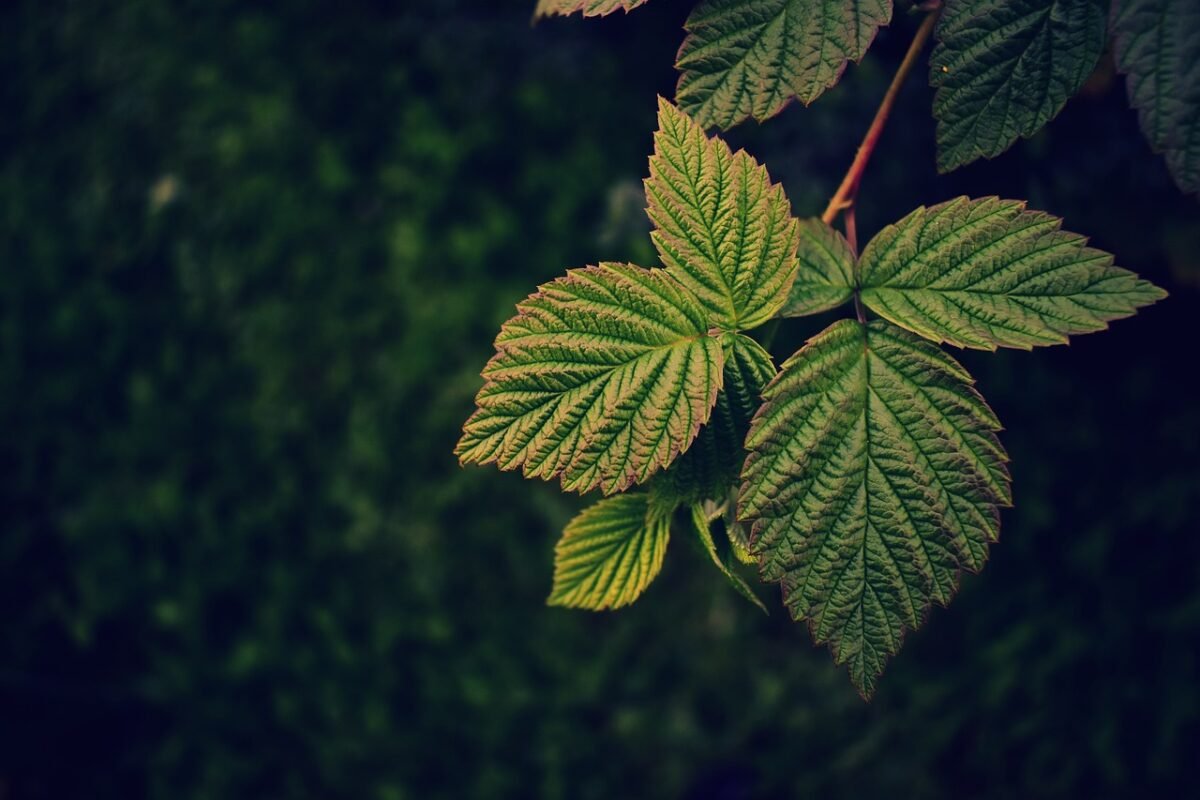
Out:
{"x": 610, "y": 553}
{"x": 1004, "y": 68}
{"x": 987, "y": 273}
{"x": 711, "y": 465}
{"x": 1156, "y": 43}
{"x": 747, "y": 58}
{"x": 589, "y": 8}
{"x": 874, "y": 477}
{"x": 825, "y": 278}
{"x": 721, "y": 227}
{"x": 739, "y": 541}
{"x": 602, "y": 378}
{"x": 700, "y": 525}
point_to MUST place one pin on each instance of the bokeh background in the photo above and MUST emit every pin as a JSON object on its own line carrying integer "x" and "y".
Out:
{"x": 252, "y": 258}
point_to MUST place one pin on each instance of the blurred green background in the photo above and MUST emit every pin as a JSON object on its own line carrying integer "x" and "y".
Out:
{"x": 252, "y": 258}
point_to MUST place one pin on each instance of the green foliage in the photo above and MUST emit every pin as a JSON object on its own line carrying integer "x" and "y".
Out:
{"x": 987, "y": 273}
{"x": 826, "y": 276}
{"x": 1004, "y": 68}
{"x": 700, "y": 524}
{"x": 711, "y": 465}
{"x": 721, "y": 227}
{"x": 872, "y": 474}
{"x": 602, "y": 378}
{"x": 1157, "y": 45}
{"x": 749, "y": 58}
{"x": 610, "y": 553}
{"x": 873, "y": 478}
{"x": 589, "y": 8}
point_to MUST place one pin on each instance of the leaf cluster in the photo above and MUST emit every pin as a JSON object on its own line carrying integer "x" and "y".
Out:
{"x": 867, "y": 470}
{"x": 1002, "y": 69}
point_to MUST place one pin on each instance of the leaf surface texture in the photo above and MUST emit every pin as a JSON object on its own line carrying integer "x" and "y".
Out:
{"x": 710, "y": 467}
{"x": 721, "y": 227}
{"x": 874, "y": 477}
{"x": 1004, "y": 68}
{"x": 589, "y": 8}
{"x": 610, "y": 553}
{"x": 825, "y": 278}
{"x": 602, "y": 378}
{"x": 1157, "y": 45}
{"x": 748, "y": 58}
{"x": 989, "y": 272}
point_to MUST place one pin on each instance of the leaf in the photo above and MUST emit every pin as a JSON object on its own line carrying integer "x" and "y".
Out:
{"x": 1004, "y": 68}
{"x": 825, "y": 278}
{"x": 602, "y": 378}
{"x": 610, "y": 553}
{"x": 987, "y": 273}
{"x": 874, "y": 477}
{"x": 711, "y": 465}
{"x": 589, "y": 8}
{"x": 721, "y": 227}
{"x": 700, "y": 524}
{"x": 1156, "y": 43}
{"x": 747, "y": 58}
{"x": 739, "y": 542}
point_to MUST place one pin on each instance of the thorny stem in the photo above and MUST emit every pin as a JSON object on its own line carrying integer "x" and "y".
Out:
{"x": 843, "y": 199}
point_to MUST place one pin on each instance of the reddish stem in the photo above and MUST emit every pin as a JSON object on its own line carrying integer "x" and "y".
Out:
{"x": 844, "y": 197}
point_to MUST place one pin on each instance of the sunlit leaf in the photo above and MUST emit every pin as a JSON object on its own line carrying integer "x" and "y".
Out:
{"x": 610, "y": 553}
{"x": 602, "y": 378}
{"x": 589, "y": 8}
{"x": 721, "y": 227}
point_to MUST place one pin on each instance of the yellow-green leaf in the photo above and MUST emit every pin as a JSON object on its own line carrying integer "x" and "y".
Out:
{"x": 610, "y": 553}
{"x": 721, "y": 227}
{"x": 988, "y": 272}
{"x": 589, "y": 8}
{"x": 874, "y": 477}
{"x": 602, "y": 378}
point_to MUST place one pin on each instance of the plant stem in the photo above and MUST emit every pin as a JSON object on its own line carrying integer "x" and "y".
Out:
{"x": 844, "y": 197}
{"x": 851, "y": 224}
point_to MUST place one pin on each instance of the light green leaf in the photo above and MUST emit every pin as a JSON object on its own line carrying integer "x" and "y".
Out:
{"x": 1004, "y": 68}
{"x": 1157, "y": 45}
{"x": 747, "y": 58}
{"x": 874, "y": 477}
{"x": 825, "y": 278}
{"x": 710, "y": 467}
{"x": 589, "y": 8}
{"x": 602, "y": 378}
{"x": 700, "y": 524}
{"x": 986, "y": 273}
{"x": 722, "y": 228}
{"x": 610, "y": 553}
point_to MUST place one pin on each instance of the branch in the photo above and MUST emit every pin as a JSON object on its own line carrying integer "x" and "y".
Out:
{"x": 844, "y": 197}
